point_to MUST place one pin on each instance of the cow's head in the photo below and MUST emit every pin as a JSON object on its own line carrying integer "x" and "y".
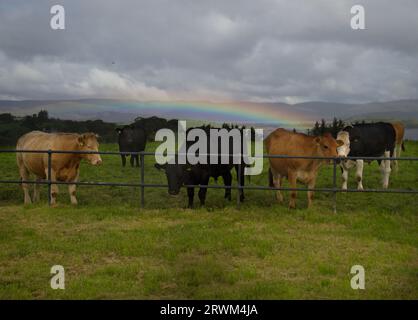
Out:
{"x": 176, "y": 174}
{"x": 126, "y": 133}
{"x": 327, "y": 145}
{"x": 88, "y": 142}
{"x": 344, "y": 149}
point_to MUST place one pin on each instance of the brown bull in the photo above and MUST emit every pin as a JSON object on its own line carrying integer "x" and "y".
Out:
{"x": 64, "y": 166}
{"x": 283, "y": 142}
{"x": 399, "y": 144}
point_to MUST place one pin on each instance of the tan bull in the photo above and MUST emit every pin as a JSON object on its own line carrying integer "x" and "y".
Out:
{"x": 283, "y": 142}
{"x": 64, "y": 166}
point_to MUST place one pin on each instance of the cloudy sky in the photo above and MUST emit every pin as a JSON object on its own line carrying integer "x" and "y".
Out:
{"x": 264, "y": 50}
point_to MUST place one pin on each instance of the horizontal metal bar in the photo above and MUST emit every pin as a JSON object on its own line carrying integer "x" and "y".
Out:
{"x": 273, "y": 156}
{"x": 151, "y": 185}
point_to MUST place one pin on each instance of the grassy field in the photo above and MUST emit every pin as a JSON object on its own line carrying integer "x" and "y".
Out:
{"x": 111, "y": 248}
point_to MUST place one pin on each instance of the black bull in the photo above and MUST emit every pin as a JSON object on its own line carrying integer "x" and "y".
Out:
{"x": 199, "y": 174}
{"x": 131, "y": 139}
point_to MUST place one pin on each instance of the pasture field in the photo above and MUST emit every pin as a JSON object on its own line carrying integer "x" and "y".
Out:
{"x": 112, "y": 248}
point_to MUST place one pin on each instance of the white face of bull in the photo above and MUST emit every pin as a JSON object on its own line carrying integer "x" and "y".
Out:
{"x": 344, "y": 149}
{"x": 88, "y": 142}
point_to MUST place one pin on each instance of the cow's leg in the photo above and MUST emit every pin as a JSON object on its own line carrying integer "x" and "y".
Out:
{"x": 132, "y": 160}
{"x": 291, "y": 176}
{"x": 345, "y": 167}
{"x": 277, "y": 182}
{"x": 385, "y": 169}
{"x": 54, "y": 187}
{"x": 72, "y": 189}
{"x": 344, "y": 177}
{"x": 227, "y": 182}
{"x": 36, "y": 187}
{"x": 24, "y": 176}
{"x": 311, "y": 185}
{"x": 203, "y": 190}
{"x": 359, "y": 174}
{"x": 397, "y": 155}
{"x": 190, "y": 195}
{"x": 136, "y": 160}
{"x": 123, "y": 159}
{"x": 242, "y": 181}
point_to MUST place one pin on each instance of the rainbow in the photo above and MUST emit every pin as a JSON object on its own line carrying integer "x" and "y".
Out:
{"x": 232, "y": 112}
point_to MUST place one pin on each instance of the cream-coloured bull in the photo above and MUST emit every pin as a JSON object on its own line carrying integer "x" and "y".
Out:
{"x": 64, "y": 166}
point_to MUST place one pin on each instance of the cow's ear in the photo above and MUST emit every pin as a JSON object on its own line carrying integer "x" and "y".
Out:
{"x": 81, "y": 141}
{"x": 340, "y": 143}
{"x": 160, "y": 166}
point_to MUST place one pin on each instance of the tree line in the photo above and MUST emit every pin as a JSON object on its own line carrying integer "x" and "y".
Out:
{"x": 333, "y": 127}
{"x": 12, "y": 127}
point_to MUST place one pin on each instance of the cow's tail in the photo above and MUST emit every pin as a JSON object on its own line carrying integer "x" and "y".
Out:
{"x": 403, "y": 146}
{"x": 271, "y": 184}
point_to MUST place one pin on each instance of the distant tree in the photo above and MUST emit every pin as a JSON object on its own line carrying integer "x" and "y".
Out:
{"x": 323, "y": 127}
{"x": 316, "y": 129}
{"x": 6, "y": 118}
{"x": 42, "y": 116}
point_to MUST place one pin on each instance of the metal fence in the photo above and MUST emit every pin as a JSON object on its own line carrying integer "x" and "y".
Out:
{"x": 142, "y": 185}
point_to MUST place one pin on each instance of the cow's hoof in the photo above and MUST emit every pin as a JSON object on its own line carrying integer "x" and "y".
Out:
{"x": 228, "y": 197}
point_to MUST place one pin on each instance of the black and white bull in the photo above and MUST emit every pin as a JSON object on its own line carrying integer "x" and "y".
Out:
{"x": 200, "y": 174}
{"x": 131, "y": 139}
{"x": 366, "y": 140}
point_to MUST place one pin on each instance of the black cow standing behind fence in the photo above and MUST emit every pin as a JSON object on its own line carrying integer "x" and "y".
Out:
{"x": 131, "y": 139}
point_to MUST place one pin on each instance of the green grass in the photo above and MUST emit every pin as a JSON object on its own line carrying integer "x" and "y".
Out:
{"x": 111, "y": 248}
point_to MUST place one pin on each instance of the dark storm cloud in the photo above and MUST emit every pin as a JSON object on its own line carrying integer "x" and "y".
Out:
{"x": 185, "y": 49}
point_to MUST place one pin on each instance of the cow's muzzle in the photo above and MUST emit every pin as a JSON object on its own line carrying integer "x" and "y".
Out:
{"x": 173, "y": 193}
{"x": 97, "y": 162}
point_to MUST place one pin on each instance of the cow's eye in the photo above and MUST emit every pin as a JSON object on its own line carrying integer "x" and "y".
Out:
{"x": 325, "y": 147}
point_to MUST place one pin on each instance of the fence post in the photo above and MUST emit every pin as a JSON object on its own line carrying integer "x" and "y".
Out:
{"x": 49, "y": 177}
{"x": 239, "y": 186}
{"x": 334, "y": 184}
{"x": 142, "y": 180}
